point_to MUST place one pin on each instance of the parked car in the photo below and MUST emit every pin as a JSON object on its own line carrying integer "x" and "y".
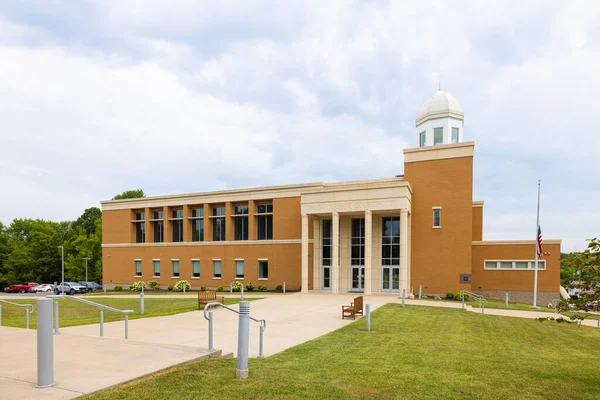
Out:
{"x": 92, "y": 286}
{"x": 45, "y": 287}
{"x": 25, "y": 287}
{"x": 70, "y": 288}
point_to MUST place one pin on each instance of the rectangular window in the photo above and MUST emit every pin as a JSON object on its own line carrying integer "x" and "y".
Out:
{"x": 454, "y": 135}
{"x": 521, "y": 264}
{"x": 541, "y": 264}
{"x": 514, "y": 265}
{"x": 138, "y": 267}
{"x": 240, "y": 210}
{"x": 491, "y": 265}
{"x": 177, "y": 213}
{"x": 218, "y": 211}
{"x": 196, "y": 268}
{"x": 240, "y": 223}
{"x": 159, "y": 233}
{"x": 218, "y": 229}
{"x": 140, "y": 232}
{"x": 140, "y": 216}
{"x": 438, "y": 136}
{"x": 239, "y": 269}
{"x": 390, "y": 241}
{"x": 175, "y": 268}
{"x": 422, "y": 139}
{"x": 263, "y": 269}
{"x": 157, "y": 215}
{"x": 216, "y": 268}
{"x": 437, "y": 217}
{"x": 156, "y": 267}
{"x": 326, "y": 242}
{"x": 506, "y": 264}
{"x": 358, "y": 242}
{"x": 197, "y": 230}
{"x": 198, "y": 212}
{"x": 264, "y": 222}
{"x": 177, "y": 231}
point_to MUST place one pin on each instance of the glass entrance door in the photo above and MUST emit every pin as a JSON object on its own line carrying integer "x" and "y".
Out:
{"x": 391, "y": 279}
{"x": 358, "y": 278}
{"x": 327, "y": 278}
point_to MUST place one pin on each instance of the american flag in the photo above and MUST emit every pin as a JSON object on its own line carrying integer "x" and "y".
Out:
{"x": 539, "y": 241}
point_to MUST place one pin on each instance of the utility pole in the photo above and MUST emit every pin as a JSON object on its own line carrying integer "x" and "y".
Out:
{"x": 86, "y": 260}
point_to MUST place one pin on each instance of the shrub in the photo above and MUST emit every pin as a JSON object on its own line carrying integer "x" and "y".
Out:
{"x": 220, "y": 289}
{"x": 438, "y": 298}
{"x": 137, "y": 286}
{"x": 249, "y": 287}
{"x": 170, "y": 288}
{"x": 262, "y": 288}
{"x": 236, "y": 286}
{"x": 423, "y": 296}
{"x": 182, "y": 284}
{"x": 279, "y": 287}
{"x": 154, "y": 285}
{"x": 118, "y": 288}
{"x": 450, "y": 295}
{"x": 203, "y": 288}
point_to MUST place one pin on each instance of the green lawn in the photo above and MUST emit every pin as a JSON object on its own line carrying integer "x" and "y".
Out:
{"x": 411, "y": 353}
{"x": 72, "y": 313}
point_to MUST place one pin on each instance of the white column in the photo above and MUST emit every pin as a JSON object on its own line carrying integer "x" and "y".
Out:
{"x": 317, "y": 254}
{"x": 409, "y": 252}
{"x": 304, "y": 253}
{"x": 368, "y": 250}
{"x": 335, "y": 248}
{"x": 404, "y": 250}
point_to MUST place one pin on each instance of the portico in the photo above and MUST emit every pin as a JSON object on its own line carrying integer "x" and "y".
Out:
{"x": 361, "y": 236}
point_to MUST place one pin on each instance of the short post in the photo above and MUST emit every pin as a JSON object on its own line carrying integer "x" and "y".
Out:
{"x": 260, "y": 344}
{"x": 104, "y": 288}
{"x": 462, "y": 297}
{"x": 183, "y": 289}
{"x": 506, "y": 299}
{"x": 242, "y": 291}
{"x": 403, "y": 297}
{"x": 142, "y": 301}
{"x": 231, "y": 288}
{"x": 283, "y": 287}
{"x": 56, "y": 332}
{"x": 26, "y": 318}
{"x": 368, "y": 317}
{"x": 126, "y": 326}
{"x": 210, "y": 331}
{"x": 45, "y": 344}
{"x": 101, "y": 323}
{"x": 420, "y": 291}
{"x": 243, "y": 338}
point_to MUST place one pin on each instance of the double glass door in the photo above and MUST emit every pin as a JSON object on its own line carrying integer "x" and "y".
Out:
{"x": 391, "y": 279}
{"x": 358, "y": 278}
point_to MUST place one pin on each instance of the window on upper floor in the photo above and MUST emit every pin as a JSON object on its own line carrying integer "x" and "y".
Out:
{"x": 454, "y": 135}
{"x": 422, "y": 139}
{"x": 177, "y": 226}
{"x": 197, "y": 220}
{"x": 438, "y": 136}
{"x": 437, "y": 217}
{"x": 240, "y": 223}
{"x": 140, "y": 226}
{"x": 218, "y": 224}
{"x": 264, "y": 221}
{"x": 158, "y": 225}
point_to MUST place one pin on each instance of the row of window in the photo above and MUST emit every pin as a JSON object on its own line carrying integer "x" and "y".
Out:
{"x": 264, "y": 224}
{"x": 263, "y": 268}
{"x": 503, "y": 264}
{"x": 438, "y": 136}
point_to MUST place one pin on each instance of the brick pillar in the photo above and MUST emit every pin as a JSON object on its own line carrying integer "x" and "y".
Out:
{"x": 187, "y": 224}
{"x": 167, "y": 224}
{"x": 228, "y": 221}
{"x": 251, "y": 220}
{"x": 207, "y": 223}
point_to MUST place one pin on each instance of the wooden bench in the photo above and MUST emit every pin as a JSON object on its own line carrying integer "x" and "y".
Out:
{"x": 209, "y": 296}
{"x": 355, "y": 308}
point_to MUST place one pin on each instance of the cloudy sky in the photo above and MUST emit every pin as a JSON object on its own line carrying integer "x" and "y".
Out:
{"x": 97, "y": 97}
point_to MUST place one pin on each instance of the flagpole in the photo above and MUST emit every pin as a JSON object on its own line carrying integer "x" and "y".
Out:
{"x": 537, "y": 233}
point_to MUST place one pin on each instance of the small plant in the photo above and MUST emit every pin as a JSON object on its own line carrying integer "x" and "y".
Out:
{"x": 182, "y": 284}
{"x": 262, "y": 288}
{"x": 170, "y": 288}
{"x": 220, "y": 289}
{"x": 137, "y": 286}
{"x": 249, "y": 287}
{"x": 438, "y": 298}
{"x": 423, "y": 297}
{"x": 450, "y": 295}
{"x": 154, "y": 285}
{"x": 279, "y": 288}
{"x": 203, "y": 288}
{"x": 118, "y": 288}
{"x": 236, "y": 286}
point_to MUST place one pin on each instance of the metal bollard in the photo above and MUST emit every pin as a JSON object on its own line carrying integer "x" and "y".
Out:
{"x": 242, "y": 291}
{"x": 45, "y": 344}
{"x": 368, "y": 316}
{"x": 403, "y": 297}
{"x": 231, "y": 288}
{"x": 104, "y": 288}
{"x": 126, "y": 326}
{"x": 462, "y": 297}
{"x": 56, "y": 332}
{"x": 243, "y": 338}
{"x": 210, "y": 331}
{"x": 142, "y": 301}
{"x": 260, "y": 344}
{"x": 26, "y": 318}
{"x": 284, "y": 287}
{"x": 183, "y": 289}
{"x": 101, "y": 323}
{"x": 420, "y": 291}
{"x": 506, "y": 299}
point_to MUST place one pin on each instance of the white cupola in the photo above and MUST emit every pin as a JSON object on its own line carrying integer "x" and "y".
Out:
{"x": 440, "y": 120}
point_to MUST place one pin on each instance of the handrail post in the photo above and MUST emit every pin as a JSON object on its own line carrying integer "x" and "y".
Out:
{"x": 26, "y": 318}
{"x": 242, "y": 291}
{"x": 260, "y": 345}
{"x": 126, "y": 326}
{"x": 482, "y": 306}
{"x": 403, "y": 297}
{"x": 243, "y": 339}
{"x": 283, "y": 287}
{"x": 101, "y": 323}
{"x": 462, "y": 296}
{"x": 230, "y": 287}
{"x": 210, "y": 331}
{"x": 368, "y": 317}
{"x": 506, "y": 299}
{"x": 56, "y": 332}
{"x": 104, "y": 288}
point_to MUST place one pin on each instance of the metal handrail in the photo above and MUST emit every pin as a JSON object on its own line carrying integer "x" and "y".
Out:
{"x": 476, "y": 296}
{"x": 208, "y": 317}
{"x": 18, "y": 305}
{"x": 102, "y": 307}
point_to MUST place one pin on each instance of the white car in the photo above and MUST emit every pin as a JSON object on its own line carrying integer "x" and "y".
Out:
{"x": 46, "y": 287}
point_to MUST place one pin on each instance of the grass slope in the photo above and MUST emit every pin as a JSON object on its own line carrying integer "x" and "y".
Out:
{"x": 412, "y": 353}
{"x": 72, "y": 313}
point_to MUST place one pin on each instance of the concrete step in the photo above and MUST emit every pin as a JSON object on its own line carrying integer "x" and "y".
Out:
{"x": 228, "y": 355}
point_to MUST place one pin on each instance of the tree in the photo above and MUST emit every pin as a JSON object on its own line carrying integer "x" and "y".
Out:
{"x": 84, "y": 240}
{"x": 586, "y": 265}
{"x": 87, "y": 220}
{"x": 130, "y": 194}
{"x": 3, "y": 253}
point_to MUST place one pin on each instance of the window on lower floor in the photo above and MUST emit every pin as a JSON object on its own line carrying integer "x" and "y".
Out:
{"x": 156, "y": 267}
{"x": 390, "y": 241}
{"x": 358, "y": 242}
{"x": 138, "y": 267}
{"x": 263, "y": 269}
{"x": 239, "y": 269}
{"x": 175, "y": 268}
{"x": 326, "y": 243}
{"x": 438, "y": 136}
{"x": 216, "y": 268}
{"x": 196, "y": 268}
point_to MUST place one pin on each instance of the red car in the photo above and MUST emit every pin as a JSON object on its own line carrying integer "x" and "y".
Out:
{"x": 24, "y": 287}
